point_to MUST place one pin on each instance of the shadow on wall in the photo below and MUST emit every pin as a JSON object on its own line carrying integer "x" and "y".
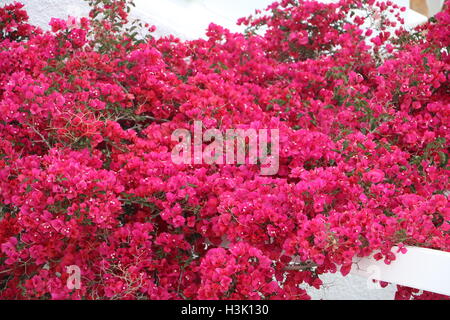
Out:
{"x": 40, "y": 11}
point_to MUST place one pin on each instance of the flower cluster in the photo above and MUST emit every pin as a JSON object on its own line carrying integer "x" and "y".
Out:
{"x": 86, "y": 177}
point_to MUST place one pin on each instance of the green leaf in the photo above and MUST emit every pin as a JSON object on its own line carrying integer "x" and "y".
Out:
{"x": 345, "y": 145}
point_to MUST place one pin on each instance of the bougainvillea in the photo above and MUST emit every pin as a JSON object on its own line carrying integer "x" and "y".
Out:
{"x": 86, "y": 178}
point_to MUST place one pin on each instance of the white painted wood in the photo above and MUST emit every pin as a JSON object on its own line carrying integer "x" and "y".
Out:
{"x": 419, "y": 268}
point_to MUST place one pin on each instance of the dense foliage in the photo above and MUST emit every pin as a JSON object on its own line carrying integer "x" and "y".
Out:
{"x": 86, "y": 178}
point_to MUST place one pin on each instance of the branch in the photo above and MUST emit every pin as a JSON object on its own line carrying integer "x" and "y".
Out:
{"x": 40, "y": 135}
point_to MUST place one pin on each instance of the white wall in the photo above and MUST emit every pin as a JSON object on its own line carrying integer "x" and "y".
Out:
{"x": 40, "y": 12}
{"x": 435, "y": 6}
{"x": 187, "y": 18}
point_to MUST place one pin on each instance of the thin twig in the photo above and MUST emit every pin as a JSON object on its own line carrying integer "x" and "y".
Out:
{"x": 40, "y": 135}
